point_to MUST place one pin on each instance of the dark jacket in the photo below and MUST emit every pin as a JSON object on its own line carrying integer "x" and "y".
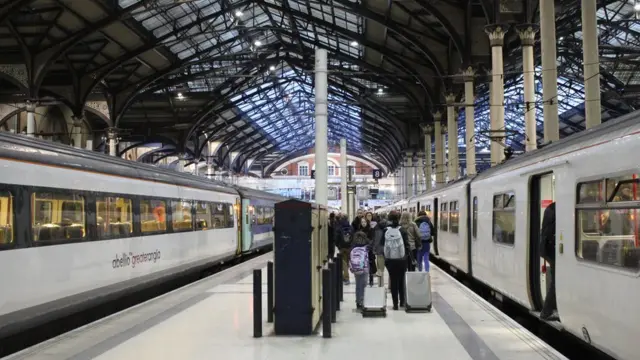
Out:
{"x": 332, "y": 234}
{"x": 378, "y": 238}
{"x": 548, "y": 233}
{"x": 426, "y": 219}
{"x": 341, "y": 228}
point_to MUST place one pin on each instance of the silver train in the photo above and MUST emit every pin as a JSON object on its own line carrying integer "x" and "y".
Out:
{"x": 78, "y": 228}
{"x": 489, "y": 229}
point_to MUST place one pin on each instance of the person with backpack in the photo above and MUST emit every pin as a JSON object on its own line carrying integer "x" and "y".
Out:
{"x": 342, "y": 237}
{"x": 360, "y": 263}
{"x": 396, "y": 248}
{"x": 426, "y": 230}
{"x": 365, "y": 227}
{"x": 414, "y": 239}
{"x": 548, "y": 250}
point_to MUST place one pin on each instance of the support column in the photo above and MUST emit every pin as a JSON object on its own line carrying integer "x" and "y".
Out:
{"x": 428, "y": 130}
{"x": 321, "y": 126}
{"x": 469, "y": 117}
{"x": 591, "y": 57}
{"x": 527, "y": 38}
{"x": 408, "y": 174}
{"x": 439, "y": 149}
{"x": 343, "y": 175}
{"x": 31, "y": 118}
{"x": 77, "y": 131}
{"x": 549, "y": 70}
{"x": 496, "y": 34}
{"x": 452, "y": 137}
{"x": 418, "y": 173}
{"x": 112, "y": 138}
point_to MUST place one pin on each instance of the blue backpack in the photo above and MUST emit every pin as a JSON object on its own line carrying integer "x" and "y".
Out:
{"x": 359, "y": 260}
{"x": 425, "y": 231}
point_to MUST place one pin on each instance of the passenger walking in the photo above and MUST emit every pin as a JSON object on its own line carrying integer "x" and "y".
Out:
{"x": 365, "y": 227}
{"x": 548, "y": 250}
{"x": 425, "y": 226}
{"x": 378, "y": 246}
{"x": 414, "y": 239}
{"x": 331, "y": 236}
{"x": 359, "y": 263}
{"x": 396, "y": 246}
{"x": 343, "y": 237}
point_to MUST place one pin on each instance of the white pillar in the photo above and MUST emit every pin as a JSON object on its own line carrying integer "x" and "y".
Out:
{"x": 418, "y": 173}
{"x": 591, "y": 58}
{"x": 527, "y": 38}
{"x": 408, "y": 175}
{"x": 31, "y": 118}
{"x": 112, "y": 136}
{"x": 77, "y": 132}
{"x": 428, "y": 130}
{"x": 549, "y": 70}
{"x": 343, "y": 175}
{"x": 496, "y": 34}
{"x": 321, "y": 126}
{"x": 469, "y": 116}
{"x": 452, "y": 137}
{"x": 439, "y": 149}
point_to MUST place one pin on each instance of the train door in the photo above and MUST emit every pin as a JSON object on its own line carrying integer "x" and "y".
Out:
{"x": 247, "y": 221}
{"x": 435, "y": 225}
{"x": 541, "y": 195}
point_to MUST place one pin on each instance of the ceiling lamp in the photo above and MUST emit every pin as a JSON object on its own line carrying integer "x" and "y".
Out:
{"x": 380, "y": 91}
{"x": 238, "y": 13}
{"x": 272, "y": 68}
{"x": 257, "y": 43}
{"x": 354, "y": 43}
{"x": 180, "y": 96}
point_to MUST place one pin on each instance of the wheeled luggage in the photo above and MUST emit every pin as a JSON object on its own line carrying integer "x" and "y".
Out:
{"x": 418, "y": 291}
{"x": 375, "y": 301}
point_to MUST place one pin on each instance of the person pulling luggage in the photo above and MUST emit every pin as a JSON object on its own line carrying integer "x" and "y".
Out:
{"x": 396, "y": 248}
{"x": 360, "y": 264}
{"x": 414, "y": 239}
{"x": 426, "y": 230}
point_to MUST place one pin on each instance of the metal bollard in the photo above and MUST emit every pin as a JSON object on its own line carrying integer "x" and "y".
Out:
{"x": 326, "y": 303}
{"x": 270, "y": 291}
{"x": 334, "y": 295}
{"x": 340, "y": 283}
{"x": 257, "y": 303}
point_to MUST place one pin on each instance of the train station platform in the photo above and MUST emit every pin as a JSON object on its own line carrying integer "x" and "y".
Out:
{"x": 214, "y": 317}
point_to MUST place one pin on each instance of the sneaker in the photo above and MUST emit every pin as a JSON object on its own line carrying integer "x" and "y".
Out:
{"x": 346, "y": 282}
{"x": 395, "y": 307}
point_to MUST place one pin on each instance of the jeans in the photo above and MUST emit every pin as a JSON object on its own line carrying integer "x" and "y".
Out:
{"x": 397, "y": 269}
{"x": 423, "y": 257}
{"x": 361, "y": 283}
{"x": 550, "y": 299}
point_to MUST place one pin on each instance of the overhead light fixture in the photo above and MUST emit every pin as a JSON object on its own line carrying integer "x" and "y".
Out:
{"x": 257, "y": 43}
{"x": 380, "y": 91}
{"x": 354, "y": 43}
{"x": 272, "y": 68}
{"x": 239, "y": 13}
{"x": 180, "y": 96}
{"x": 636, "y": 6}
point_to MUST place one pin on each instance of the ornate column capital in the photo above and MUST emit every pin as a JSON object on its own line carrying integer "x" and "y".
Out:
{"x": 437, "y": 116}
{"x": 468, "y": 74}
{"x": 77, "y": 120}
{"x": 527, "y": 33}
{"x": 496, "y": 33}
{"x": 450, "y": 98}
{"x": 427, "y": 129}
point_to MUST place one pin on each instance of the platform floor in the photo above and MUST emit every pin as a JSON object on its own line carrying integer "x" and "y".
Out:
{"x": 213, "y": 319}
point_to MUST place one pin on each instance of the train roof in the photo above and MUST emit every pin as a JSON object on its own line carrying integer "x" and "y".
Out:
{"x": 258, "y": 194}
{"x": 22, "y": 148}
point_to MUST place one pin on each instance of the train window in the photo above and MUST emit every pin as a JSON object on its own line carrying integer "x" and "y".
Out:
{"x": 203, "y": 216}
{"x": 58, "y": 216}
{"x": 261, "y": 214}
{"x": 114, "y": 217}
{"x": 444, "y": 217}
{"x": 474, "y": 219}
{"x": 608, "y": 231}
{"x": 222, "y": 215}
{"x": 590, "y": 192}
{"x": 6, "y": 218}
{"x": 454, "y": 217}
{"x": 153, "y": 216}
{"x": 428, "y": 211}
{"x": 181, "y": 215}
{"x": 230, "y": 218}
{"x": 504, "y": 218}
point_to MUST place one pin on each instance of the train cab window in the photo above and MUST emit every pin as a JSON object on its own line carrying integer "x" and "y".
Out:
{"x": 444, "y": 217}
{"x": 58, "y": 216}
{"x": 474, "y": 218}
{"x": 204, "y": 218}
{"x": 454, "y": 217}
{"x": 181, "y": 215}
{"x": 153, "y": 216}
{"x": 608, "y": 224}
{"x": 6, "y": 218}
{"x": 504, "y": 218}
{"x": 114, "y": 217}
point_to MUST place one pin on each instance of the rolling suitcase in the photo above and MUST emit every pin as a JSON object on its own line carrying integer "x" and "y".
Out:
{"x": 418, "y": 291}
{"x": 375, "y": 301}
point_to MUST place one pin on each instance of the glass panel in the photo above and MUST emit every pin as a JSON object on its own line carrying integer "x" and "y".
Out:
{"x": 474, "y": 220}
{"x": 114, "y": 217}
{"x": 58, "y": 217}
{"x": 608, "y": 236}
{"x": 498, "y": 201}
{"x": 504, "y": 226}
{"x": 229, "y": 212}
{"x": 6, "y": 218}
{"x": 454, "y": 217}
{"x": 626, "y": 189}
{"x": 153, "y": 215}
{"x": 219, "y": 215}
{"x": 203, "y": 216}
{"x": 444, "y": 217}
{"x": 590, "y": 192}
{"x": 181, "y": 215}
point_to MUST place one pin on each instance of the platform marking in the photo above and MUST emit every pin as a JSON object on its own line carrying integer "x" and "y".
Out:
{"x": 468, "y": 338}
